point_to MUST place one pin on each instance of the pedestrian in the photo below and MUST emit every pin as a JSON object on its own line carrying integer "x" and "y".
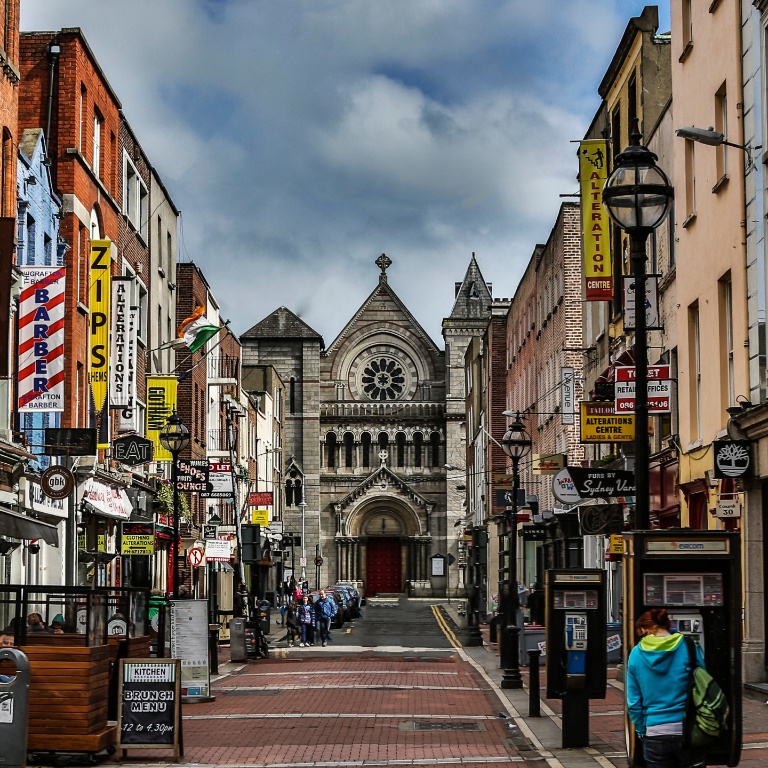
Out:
{"x": 306, "y": 616}
{"x": 291, "y": 624}
{"x": 658, "y": 680}
{"x": 536, "y": 604}
{"x": 325, "y": 610}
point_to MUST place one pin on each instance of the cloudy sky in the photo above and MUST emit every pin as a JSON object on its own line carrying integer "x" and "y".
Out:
{"x": 302, "y": 138}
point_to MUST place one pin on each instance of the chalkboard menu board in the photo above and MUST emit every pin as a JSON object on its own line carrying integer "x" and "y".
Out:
{"x": 150, "y": 703}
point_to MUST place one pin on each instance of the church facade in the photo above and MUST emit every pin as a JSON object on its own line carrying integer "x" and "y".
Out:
{"x": 372, "y": 423}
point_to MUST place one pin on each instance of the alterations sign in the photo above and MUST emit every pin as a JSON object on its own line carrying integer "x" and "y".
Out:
{"x": 595, "y": 222}
{"x": 41, "y": 339}
{"x": 137, "y": 539}
{"x": 600, "y": 424}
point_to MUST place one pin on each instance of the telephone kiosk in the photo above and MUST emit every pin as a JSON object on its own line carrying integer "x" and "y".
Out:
{"x": 576, "y": 649}
{"x": 696, "y": 576}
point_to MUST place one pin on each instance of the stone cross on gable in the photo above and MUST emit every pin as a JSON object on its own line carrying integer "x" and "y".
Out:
{"x": 383, "y": 455}
{"x": 383, "y": 263}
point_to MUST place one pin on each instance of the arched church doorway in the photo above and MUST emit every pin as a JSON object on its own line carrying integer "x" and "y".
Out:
{"x": 383, "y": 572}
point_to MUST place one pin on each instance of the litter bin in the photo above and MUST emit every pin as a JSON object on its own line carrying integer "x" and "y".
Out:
{"x": 263, "y": 616}
{"x": 613, "y": 641}
{"x": 530, "y": 638}
{"x": 14, "y": 708}
{"x": 237, "y": 646}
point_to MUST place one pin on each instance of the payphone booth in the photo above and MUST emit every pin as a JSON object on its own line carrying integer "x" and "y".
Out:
{"x": 696, "y": 576}
{"x": 577, "y": 658}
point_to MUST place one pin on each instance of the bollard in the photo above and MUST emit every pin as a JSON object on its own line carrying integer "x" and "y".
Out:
{"x": 213, "y": 647}
{"x": 534, "y": 689}
{"x": 14, "y": 711}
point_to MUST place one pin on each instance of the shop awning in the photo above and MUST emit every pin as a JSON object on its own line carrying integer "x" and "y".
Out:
{"x": 18, "y": 526}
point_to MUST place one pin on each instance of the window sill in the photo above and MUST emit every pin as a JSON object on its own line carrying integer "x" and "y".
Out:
{"x": 721, "y": 182}
{"x": 82, "y": 309}
{"x": 686, "y": 51}
{"x": 691, "y": 218}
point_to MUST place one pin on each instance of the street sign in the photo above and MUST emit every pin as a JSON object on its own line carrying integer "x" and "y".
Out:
{"x": 195, "y": 556}
{"x": 318, "y": 560}
{"x": 506, "y": 498}
{"x": 303, "y": 562}
{"x": 57, "y": 482}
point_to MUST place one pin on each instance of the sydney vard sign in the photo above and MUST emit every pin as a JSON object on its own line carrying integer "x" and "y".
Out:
{"x": 602, "y": 483}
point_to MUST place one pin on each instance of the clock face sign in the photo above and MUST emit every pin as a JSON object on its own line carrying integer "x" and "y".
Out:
{"x": 57, "y": 482}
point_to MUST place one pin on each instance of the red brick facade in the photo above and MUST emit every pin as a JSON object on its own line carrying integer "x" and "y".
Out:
{"x": 87, "y": 183}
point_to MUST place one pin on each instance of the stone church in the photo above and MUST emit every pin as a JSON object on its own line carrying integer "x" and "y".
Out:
{"x": 370, "y": 423}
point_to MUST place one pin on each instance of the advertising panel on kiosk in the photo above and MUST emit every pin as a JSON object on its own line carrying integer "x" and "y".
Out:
{"x": 696, "y": 576}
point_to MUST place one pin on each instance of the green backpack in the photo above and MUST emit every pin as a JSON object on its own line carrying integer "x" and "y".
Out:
{"x": 707, "y": 710}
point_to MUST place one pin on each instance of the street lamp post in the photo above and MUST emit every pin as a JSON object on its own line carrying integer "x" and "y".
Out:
{"x": 638, "y": 196}
{"x": 517, "y": 444}
{"x": 303, "y": 505}
{"x": 174, "y": 437}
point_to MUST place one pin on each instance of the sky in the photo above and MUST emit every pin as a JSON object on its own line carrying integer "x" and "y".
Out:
{"x": 303, "y": 138}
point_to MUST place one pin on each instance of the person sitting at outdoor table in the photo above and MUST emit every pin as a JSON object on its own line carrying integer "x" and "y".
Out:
{"x": 35, "y": 623}
{"x": 57, "y": 625}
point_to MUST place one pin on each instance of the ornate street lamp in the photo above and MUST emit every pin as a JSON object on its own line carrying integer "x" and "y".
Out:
{"x": 517, "y": 444}
{"x": 174, "y": 437}
{"x": 638, "y": 196}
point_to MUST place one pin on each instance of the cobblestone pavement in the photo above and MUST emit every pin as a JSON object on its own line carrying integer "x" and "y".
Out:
{"x": 352, "y": 705}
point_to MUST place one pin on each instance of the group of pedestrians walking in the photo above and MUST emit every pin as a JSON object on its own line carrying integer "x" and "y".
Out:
{"x": 308, "y": 622}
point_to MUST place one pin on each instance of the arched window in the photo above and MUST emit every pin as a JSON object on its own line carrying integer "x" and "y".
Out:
{"x": 434, "y": 440}
{"x": 418, "y": 445}
{"x": 400, "y": 448}
{"x": 330, "y": 442}
{"x": 383, "y": 441}
{"x": 349, "y": 443}
{"x": 365, "y": 441}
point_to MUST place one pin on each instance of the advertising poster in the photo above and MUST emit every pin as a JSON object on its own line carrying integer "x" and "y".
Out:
{"x": 189, "y": 644}
{"x": 161, "y": 403}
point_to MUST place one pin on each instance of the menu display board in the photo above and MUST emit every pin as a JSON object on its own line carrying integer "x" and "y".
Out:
{"x": 149, "y": 712}
{"x": 189, "y": 643}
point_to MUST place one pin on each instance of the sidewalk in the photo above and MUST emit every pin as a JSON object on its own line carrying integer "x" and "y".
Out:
{"x": 606, "y": 716}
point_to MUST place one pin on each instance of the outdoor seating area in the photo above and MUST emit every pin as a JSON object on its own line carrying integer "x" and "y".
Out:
{"x": 74, "y": 666}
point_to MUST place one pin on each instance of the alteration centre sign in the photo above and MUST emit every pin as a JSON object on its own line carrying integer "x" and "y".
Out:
{"x": 599, "y": 424}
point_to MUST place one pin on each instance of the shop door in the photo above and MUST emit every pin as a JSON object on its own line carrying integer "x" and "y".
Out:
{"x": 383, "y": 566}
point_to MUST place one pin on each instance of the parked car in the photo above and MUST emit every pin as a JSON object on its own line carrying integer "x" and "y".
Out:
{"x": 353, "y": 598}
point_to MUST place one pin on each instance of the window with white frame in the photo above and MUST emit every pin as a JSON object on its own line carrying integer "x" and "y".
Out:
{"x": 96, "y": 164}
{"x": 135, "y": 197}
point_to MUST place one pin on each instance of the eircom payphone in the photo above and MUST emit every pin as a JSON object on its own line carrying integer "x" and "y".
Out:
{"x": 696, "y": 576}
{"x": 576, "y": 649}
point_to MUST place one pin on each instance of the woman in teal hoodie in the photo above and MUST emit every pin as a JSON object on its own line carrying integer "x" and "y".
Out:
{"x": 658, "y": 679}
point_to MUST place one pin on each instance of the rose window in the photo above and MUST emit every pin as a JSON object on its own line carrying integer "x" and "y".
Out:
{"x": 383, "y": 379}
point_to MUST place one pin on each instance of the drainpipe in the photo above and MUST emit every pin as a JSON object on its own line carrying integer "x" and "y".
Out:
{"x": 54, "y": 50}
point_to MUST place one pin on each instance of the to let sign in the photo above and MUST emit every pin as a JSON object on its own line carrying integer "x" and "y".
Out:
{"x": 659, "y": 389}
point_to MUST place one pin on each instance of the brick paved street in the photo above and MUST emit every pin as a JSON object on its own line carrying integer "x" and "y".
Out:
{"x": 349, "y": 705}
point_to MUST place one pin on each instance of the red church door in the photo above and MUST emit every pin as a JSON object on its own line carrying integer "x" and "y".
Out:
{"x": 383, "y": 564}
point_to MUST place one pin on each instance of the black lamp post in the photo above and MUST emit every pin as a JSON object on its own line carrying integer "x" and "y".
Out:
{"x": 638, "y": 196}
{"x": 174, "y": 437}
{"x": 516, "y": 443}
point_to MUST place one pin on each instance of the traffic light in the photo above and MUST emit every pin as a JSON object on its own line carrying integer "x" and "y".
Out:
{"x": 251, "y": 542}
